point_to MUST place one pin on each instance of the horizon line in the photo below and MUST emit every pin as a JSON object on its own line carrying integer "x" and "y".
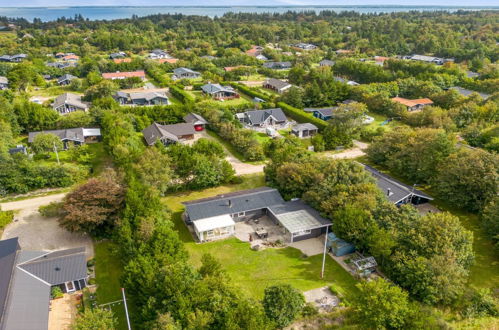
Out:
{"x": 256, "y": 6}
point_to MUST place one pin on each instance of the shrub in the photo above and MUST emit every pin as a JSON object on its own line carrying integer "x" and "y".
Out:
{"x": 6, "y": 217}
{"x": 56, "y": 292}
{"x": 51, "y": 210}
{"x": 182, "y": 95}
{"x": 282, "y": 304}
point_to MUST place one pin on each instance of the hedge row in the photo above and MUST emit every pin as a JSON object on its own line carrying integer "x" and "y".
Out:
{"x": 248, "y": 91}
{"x": 181, "y": 95}
{"x": 301, "y": 116}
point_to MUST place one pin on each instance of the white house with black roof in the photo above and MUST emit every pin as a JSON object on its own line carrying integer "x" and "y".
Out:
{"x": 69, "y": 102}
{"x": 4, "y": 83}
{"x": 26, "y": 280}
{"x": 185, "y": 73}
{"x": 397, "y": 192}
{"x": 277, "y": 85}
{"x": 278, "y": 65}
{"x": 216, "y": 217}
{"x": 274, "y": 118}
{"x": 65, "y": 79}
{"x": 75, "y": 136}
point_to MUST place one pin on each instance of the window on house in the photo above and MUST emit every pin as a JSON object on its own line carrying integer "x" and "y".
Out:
{"x": 302, "y": 233}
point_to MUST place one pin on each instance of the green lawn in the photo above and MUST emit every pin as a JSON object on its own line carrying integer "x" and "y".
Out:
{"x": 230, "y": 148}
{"x": 52, "y": 91}
{"x": 262, "y": 137}
{"x": 250, "y": 270}
{"x": 378, "y": 119}
{"x": 108, "y": 269}
{"x": 97, "y": 163}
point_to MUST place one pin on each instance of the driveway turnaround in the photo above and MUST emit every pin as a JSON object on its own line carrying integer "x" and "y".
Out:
{"x": 36, "y": 232}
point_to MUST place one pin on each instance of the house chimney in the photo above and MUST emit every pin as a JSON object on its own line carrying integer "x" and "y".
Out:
{"x": 388, "y": 192}
{"x": 230, "y": 203}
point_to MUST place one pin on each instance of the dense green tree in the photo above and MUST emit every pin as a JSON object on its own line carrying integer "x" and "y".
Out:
{"x": 282, "y": 304}
{"x": 95, "y": 319}
{"x": 468, "y": 178}
{"x": 381, "y": 305}
{"x": 45, "y": 142}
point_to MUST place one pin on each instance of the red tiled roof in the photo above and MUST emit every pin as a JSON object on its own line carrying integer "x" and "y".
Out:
{"x": 231, "y": 68}
{"x": 167, "y": 60}
{"x": 122, "y": 60}
{"x": 411, "y": 103}
{"x": 71, "y": 57}
{"x": 111, "y": 75}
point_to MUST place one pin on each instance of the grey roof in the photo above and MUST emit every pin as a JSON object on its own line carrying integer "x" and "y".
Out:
{"x": 215, "y": 88}
{"x": 117, "y": 55}
{"x": 58, "y": 267}
{"x": 65, "y": 77}
{"x": 468, "y": 92}
{"x": 71, "y": 134}
{"x": 4, "y": 80}
{"x": 257, "y": 117}
{"x": 159, "y": 52}
{"x": 71, "y": 99}
{"x": 173, "y": 132}
{"x": 325, "y": 112}
{"x": 148, "y": 96}
{"x": 304, "y": 127}
{"x": 471, "y": 74}
{"x": 277, "y": 83}
{"x": 326, "y": 62}
{"x": 297, "y": 216}
{"x": 277, "y": 65}
{"x": 304, "y": 45}
{"x": 180, "y": 71}
{"x": 8, "y": 252}
{"x": 241, "y": 201}
{"x": 195, "y": 119}
{"x": 33, "y": 273}
{"x": 395, "y": 190}
{"x": 28, "y": 307}
{"x": 426, "y": 58}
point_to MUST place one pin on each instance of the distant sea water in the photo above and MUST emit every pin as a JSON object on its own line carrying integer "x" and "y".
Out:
{"x": 115, "y": 12}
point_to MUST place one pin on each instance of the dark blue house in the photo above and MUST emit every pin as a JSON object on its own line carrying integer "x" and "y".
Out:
{"x": 322, "y": 113}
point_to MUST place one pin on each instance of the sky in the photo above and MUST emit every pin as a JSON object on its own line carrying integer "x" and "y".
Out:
{"x": 55, "y": 3}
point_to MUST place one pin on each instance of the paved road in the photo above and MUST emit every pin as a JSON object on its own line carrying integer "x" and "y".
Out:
{"x": 36, "y": 232}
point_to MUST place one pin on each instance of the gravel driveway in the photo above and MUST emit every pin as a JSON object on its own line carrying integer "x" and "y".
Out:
{"x": 36, "y": 232}
{"x": 354, "y": 152}
{"x": 240, "y": 167}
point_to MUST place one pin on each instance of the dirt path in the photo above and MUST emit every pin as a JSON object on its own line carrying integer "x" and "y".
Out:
{"x": 354, "y": 152}
{"x": 240, "y": 167}
{"x": 32, "y": 203}
{"x": 36, "y": 232}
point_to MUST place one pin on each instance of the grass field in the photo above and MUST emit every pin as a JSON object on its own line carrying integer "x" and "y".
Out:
{"x": 378, "y": 119}
{"x": 108, "y": 269}
{"x": 250, "y": 270}
{"x": 98, "y": 160}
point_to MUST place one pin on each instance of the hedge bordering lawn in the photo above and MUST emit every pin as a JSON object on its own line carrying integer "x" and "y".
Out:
{"x": 248, "y": 91}
{"x": 181, "y": 95}
{"x": 301, "y": 116}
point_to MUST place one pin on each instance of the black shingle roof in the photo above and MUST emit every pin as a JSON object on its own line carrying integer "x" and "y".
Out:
{"x": 8, "y": 252}
{"x": 395, "y": 190}
{"x": 241, "y": 201}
